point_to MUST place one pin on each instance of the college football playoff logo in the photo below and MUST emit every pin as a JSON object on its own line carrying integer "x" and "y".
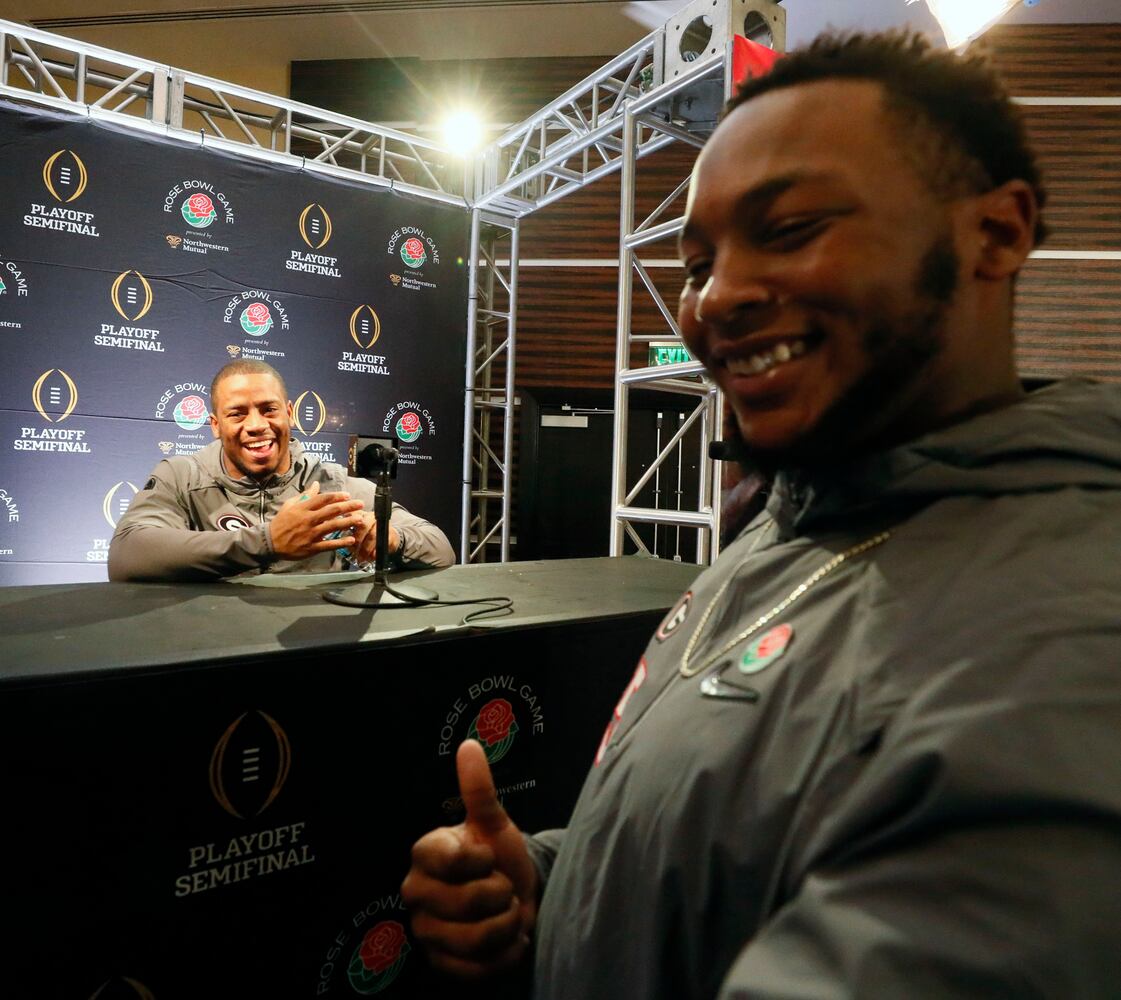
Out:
{"x": 64, "y": 175}
{"x": 365, "y": 327}
{"x": 116, "y": 502}
{"x": 315, "y": 226}
{"x": 250, "y": 764}
{"x": 122, "y": 988}
{"x": 52, "y": 389}
{"x": 132, "y": 296}
{"x": 309, "y": 413}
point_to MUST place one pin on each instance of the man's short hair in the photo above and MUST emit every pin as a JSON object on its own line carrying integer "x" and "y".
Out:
{"x": 246, "y": 366}
{"x": 961, "y": 131}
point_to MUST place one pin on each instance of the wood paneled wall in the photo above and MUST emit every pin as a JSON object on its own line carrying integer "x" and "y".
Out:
{"x": 1068, "y": 318}
{"x": 1051, "y": 60}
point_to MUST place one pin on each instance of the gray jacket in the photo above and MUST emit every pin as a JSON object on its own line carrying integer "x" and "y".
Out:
{"x": 920, "y": 794}
{"x": 193, "y": 522}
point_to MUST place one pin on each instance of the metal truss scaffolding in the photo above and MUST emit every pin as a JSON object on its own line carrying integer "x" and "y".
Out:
{"x": 571, "y": 142}
{"x": 49, "y": 69}
{"x": 686, "y": 378}
{"x": 667, "y": 88}
{"x": 664, "y": 89}
{"x": 489, "y": 397}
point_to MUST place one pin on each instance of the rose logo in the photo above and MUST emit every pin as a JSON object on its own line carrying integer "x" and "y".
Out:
{"x": 198, "y": 210}
{"x": 3, "y": 287}
{"x": 412, "y": 252}
{"x": 408, "y": 427}
{"x": 764, "y": 651}
{"x": 495, "y": 728}
{"x": 190, "y": 412}
{"x": 256, "y": 320}
{"x": 379, "y": 958}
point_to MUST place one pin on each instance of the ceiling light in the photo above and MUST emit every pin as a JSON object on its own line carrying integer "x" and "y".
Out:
{"x": 964, "y": 20}
{"x": 463, "y": 132}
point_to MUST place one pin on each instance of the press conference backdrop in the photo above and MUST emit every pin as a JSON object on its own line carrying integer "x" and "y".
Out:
{"x": 133, "y": 267}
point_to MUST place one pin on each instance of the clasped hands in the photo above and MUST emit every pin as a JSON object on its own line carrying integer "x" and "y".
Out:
{"x": 300, "y": 527}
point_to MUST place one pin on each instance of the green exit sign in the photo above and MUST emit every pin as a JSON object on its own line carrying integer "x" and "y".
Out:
{"x": 668, "y": 354}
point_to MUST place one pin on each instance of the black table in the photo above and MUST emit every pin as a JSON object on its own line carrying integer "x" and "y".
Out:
{"x": 211, "y": 790}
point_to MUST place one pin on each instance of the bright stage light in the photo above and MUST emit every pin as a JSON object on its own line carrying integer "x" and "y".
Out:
{"x": 463, "y": 132}
{"x": 963, "y": 20}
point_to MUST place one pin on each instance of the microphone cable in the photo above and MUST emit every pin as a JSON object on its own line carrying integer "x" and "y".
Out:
{"x": 497, "y": 607}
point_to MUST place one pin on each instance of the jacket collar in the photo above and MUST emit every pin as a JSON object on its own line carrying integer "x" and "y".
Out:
{"x": 212, "y": 458}
{"x": 1065, "y": 434}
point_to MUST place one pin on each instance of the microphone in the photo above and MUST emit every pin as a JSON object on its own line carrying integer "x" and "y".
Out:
{"x": 374, "y": 459}
{"x": 727, "y": 451}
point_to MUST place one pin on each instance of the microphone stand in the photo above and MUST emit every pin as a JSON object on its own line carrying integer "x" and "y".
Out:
{"x": 382, "y": 508}
{"x": 381, "y": 593}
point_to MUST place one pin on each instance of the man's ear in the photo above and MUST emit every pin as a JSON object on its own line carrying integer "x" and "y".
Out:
{"x": 214, "y": 424}
{"x": 1005, "y": 224}
{"x": 291, "y": 415}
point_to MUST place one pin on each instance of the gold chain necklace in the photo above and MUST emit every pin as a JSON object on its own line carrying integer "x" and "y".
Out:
{"x": 815, "y": 577}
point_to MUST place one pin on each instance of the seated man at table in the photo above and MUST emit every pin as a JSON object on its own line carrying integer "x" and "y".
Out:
{"x": 253, "y": 501}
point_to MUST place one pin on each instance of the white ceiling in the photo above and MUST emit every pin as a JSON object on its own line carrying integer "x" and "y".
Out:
{"x": 807, "y": 18}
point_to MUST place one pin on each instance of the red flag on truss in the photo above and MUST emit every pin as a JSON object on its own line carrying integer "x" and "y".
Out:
{"x": 750, "y": 59}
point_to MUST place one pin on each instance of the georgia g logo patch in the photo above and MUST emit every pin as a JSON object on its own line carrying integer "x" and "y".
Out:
{"x": 232, "y": 522}
{"x": 676, "y": 617}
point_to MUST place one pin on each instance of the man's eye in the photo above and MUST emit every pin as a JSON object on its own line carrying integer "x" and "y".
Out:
{"x": 696, "y": 274}
{"x": 789, "y": 234}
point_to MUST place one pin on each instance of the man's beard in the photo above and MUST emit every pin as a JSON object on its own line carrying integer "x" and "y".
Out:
{"x": 899, "y": 350}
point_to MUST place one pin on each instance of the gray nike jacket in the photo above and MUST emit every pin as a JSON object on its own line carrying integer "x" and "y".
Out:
{"x": 905, "y": 782}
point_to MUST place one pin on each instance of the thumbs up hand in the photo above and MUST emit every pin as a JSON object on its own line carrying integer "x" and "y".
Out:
{"x": 472, "y": 888}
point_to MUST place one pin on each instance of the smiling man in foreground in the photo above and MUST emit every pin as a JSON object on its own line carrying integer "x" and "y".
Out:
{"x": 253, "y": 501}
{"x": 876, "y": 751}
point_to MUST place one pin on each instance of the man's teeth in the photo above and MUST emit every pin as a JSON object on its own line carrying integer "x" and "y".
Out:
{"x": 259, "y": 446}
{"x": 759, "y": 363}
